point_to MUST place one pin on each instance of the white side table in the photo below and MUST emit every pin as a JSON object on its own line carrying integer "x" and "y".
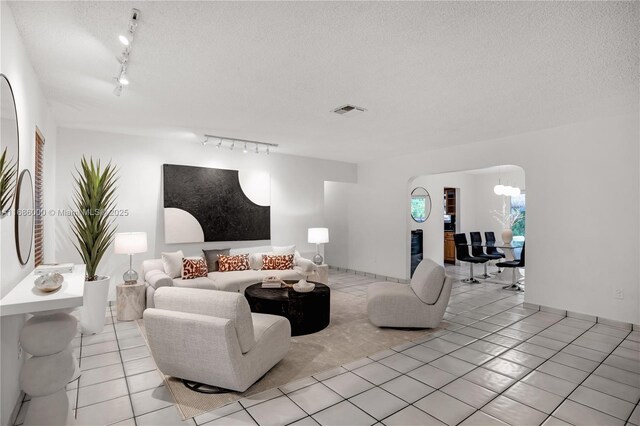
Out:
{"x": 321, "y": 274}
{"x": 131, "y": 301}
{"x": 45, "y": 375}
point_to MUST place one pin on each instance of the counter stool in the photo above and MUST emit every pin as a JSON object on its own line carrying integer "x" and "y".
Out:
{"x": 478, "y": 251}
{"x": 518, "y": 263}
{"x": 462, "y": 254}
{"x": 490, "y": 237}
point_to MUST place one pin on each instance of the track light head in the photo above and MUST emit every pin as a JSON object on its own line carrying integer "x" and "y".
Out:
{"x": 118, "y": 90}
{"x": 125, "y": 39}
{"x": 267, "y": 149}
{"x": 257, "y": 151}
{"x": 244, "y": 150}
{"x": 233, "y": 144}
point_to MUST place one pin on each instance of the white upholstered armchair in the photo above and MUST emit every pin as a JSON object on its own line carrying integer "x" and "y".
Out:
{"x": 418, "y": 305}
{"x": 211, "y": 337}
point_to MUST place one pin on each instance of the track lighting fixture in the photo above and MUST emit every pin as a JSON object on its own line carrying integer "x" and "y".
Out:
{"x": 127, "y": 41}
{"x": 231, "y": 143}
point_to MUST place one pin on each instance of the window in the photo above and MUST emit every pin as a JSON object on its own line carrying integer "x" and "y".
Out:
{"x": 39, "y": 218}
{"x": 518, "y": 204}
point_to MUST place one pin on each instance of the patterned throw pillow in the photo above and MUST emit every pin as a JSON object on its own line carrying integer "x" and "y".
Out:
{"x": 239, "y": 262}
{"x": 279, "y": 262}
{"x": 194, "y": 268}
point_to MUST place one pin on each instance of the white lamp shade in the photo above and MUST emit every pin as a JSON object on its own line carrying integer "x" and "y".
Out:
{"x": 318, "y": 235}
{"x": 130, "y": 243}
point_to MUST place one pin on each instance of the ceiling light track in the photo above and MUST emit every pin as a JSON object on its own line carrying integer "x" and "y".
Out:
{"x": 224, "y": 141}
{"x": 127, "y": 41}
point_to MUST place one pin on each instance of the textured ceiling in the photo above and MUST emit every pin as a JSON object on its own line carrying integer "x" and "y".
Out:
{"x": 430, "y": 74}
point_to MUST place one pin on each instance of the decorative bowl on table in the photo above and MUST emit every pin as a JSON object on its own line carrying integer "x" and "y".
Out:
{"x": 49, "y": 282}
{"x": 303, "y": 286}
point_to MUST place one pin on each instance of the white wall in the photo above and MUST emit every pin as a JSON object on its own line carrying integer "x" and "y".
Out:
{"x": 33, "y": 110}
{"x": 336, "y": 212}
{"x": 297, "y": 189}
{"x": 573, "y": 174}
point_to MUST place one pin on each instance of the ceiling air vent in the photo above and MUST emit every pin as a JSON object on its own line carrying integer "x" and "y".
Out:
{"x": 349, "y": 110}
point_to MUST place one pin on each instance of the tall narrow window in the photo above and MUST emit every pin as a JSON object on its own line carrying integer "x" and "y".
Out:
{"x": 39, "y": 204}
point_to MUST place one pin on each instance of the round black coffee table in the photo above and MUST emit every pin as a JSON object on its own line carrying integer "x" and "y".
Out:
{"x": 307, "y": 312}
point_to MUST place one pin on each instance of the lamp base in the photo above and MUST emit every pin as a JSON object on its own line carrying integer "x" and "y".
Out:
{"x": 130, "y": 277}
{"x": 317, "y": 259}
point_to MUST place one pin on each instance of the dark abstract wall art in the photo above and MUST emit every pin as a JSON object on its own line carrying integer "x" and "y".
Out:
{"x": 205, "y": 204}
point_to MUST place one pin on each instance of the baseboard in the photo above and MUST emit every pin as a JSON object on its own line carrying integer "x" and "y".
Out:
{"x": 591, "y": 318}
{"x": 369, "y": 275}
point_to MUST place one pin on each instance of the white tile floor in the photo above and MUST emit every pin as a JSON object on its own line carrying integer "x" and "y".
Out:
{"x": 496, "y": 363}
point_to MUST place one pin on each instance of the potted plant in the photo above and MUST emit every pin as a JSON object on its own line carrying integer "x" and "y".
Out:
{"x": 94, "y": 229}
{"x": 7, "y": 182}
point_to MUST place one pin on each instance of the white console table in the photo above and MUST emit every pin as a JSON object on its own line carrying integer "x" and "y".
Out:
{"x": 50, "y": 327}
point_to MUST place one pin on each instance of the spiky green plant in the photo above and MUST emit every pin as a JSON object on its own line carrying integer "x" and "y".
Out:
{"x": 8, "y": 170}
{"x": 92, "y": 224}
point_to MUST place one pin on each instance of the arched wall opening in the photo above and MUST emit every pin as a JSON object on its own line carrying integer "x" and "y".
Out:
{"x": 476, "y": 207}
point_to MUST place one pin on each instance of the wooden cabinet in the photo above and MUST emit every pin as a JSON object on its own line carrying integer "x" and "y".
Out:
{"x": 449, "y": 248}
{"x": 450, "y": 201}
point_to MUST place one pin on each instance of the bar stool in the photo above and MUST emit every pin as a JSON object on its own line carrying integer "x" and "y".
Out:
{"x": 478, "y": 251}
{"x": 462, "y": 254}
{"x": 518, "y": 263}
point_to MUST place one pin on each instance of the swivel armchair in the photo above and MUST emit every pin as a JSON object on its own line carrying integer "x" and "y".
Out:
{"x": 211, "y": 337}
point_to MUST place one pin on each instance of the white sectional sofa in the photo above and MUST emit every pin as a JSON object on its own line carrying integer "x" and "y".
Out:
{"x": 234, "y": 281}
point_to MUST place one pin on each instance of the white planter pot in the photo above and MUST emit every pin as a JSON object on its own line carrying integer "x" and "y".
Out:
{"x": 94, "y": 305}
{"x": 507, "y": 236}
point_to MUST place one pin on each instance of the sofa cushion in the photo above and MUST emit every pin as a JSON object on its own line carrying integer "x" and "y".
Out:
{"x": 277, "y": 262}
{"x": 157, "y": 279}
{"x": 238, "y": 262}
{"x": 172, "y": 263}
{"x": 212, "y": 258}
{"x": 200, "y": 282}
{"x": 427, "y": 281}
{"x": 194, "y": 268}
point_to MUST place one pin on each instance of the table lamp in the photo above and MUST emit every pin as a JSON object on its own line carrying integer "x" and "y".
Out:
{"x": 130, "y": 243}
{"x": 318, "y": 236}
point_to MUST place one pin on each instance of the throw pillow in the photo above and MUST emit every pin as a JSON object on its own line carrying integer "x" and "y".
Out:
{"x": 277, "y": 262}
{"x": 255, "y": 261}
{"x": 194, "y": 268}
{"x": 284, "y": 249}
{"x": 233, "y": 263}
{"x": 172, "y": 263}
{"x": 212, "y": 258}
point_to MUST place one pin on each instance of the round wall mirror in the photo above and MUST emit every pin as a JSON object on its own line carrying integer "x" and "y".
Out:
{"x": 9, "y": 146}
{"x": 420, "y": 204}
{"x": 24, "y": 216}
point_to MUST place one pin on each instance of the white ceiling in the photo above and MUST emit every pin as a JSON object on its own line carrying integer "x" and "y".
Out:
{"x": 430, "y": 74}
